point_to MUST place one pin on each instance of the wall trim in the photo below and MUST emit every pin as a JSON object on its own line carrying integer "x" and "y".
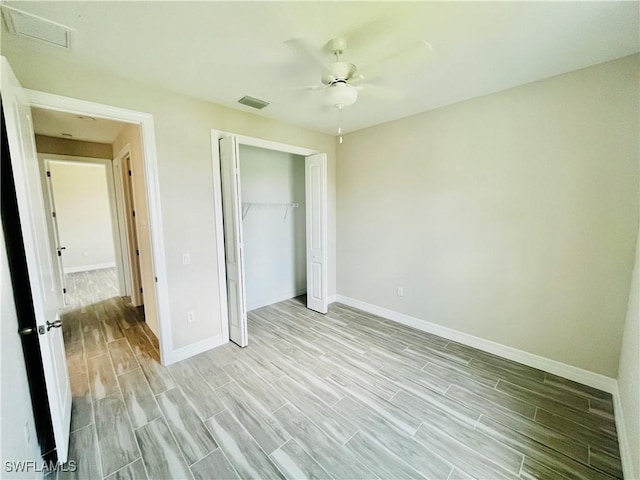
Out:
{"x": 188, "y": 351}
{"x": 332, "y": 298}
{"x": 623, "y": 439}
{"x": 279, "y": 298}
{"x": 585, "y": 377}
{"x": 87, "y": 268}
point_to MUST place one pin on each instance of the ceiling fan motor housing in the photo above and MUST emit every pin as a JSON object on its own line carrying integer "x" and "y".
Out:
{"x": 339, "y": 71}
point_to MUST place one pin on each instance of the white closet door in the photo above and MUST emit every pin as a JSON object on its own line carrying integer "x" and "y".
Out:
{"x": 232, "y": 216}
{"x": 38, "y": 252}
{"x": 316, "y": 211}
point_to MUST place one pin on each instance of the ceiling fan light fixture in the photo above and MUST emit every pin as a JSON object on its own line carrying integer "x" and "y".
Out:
{"x": 340, "y": 95}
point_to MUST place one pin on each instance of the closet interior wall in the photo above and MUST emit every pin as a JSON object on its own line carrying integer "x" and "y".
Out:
{"x": 272, "y": 188}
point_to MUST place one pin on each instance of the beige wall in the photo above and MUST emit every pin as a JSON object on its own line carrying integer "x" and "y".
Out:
{"x": 130, "y": 135}
{"x": 76, "y": 148}
{"x": 83, "y": 215}
{"x": 629, "y": 371}
{"x": 183, "y": 137}
{"x": 511, "y": 217}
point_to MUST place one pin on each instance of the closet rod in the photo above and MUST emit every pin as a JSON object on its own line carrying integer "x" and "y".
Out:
{"x": 247, "y": 206}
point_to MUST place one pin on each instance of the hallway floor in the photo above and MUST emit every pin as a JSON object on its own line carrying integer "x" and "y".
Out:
{"x": 342, "y": 395}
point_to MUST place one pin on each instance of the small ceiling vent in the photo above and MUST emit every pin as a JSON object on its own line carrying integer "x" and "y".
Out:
{"x": 253, "y": 102}
{"x": 36, "y": 28}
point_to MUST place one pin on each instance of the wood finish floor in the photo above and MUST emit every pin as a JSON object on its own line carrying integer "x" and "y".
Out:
{"x": 343, "y": 395}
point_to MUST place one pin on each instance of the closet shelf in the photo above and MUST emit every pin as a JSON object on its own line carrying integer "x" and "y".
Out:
{"x": 248, "y": 206}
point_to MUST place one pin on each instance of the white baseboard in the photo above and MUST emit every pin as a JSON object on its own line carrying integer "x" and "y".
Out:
{"x": 194, "y": 349}
{"x": 87, "y": 268}
{"x": 623, "y": 439}
{"x": 271, "y": 301}
{"x": 585, "y": 377}
{"x": 332, "y": 298}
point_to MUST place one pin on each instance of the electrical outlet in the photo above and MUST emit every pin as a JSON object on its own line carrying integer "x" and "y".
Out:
{"x": 191, "y": 317}
{"x": 400, "y": 292}
{"x": 186, "y": 259}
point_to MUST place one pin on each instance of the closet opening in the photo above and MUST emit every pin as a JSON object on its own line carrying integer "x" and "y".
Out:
{"x": 273, "y": 221}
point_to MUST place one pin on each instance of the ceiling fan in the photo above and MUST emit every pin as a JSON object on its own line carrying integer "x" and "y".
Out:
{"x": 342, "y": 81}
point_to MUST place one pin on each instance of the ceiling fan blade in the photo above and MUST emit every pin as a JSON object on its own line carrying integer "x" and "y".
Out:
{"x": 412, "y": 57}
{"x": 379, "y": 91}
{"x": 306, "y": 49}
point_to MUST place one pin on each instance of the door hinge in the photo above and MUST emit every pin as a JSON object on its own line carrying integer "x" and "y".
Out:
{"x": 59, "y": 253}
{"x": 141, "y": 291}
{"x": 64, "y": 290}
{"x": 48, "y": 174}
{"x": 133, "y": 212}
{"x": 156, "y": 279}
{"x": 53, "y": 214}
{"x": 137, "y": 252}
{"x": 129, "y": 172}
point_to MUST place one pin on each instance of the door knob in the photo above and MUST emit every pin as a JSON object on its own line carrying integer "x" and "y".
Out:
{"x": 56, "y": 324}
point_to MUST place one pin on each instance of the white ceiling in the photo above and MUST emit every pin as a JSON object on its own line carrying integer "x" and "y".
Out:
{"x": 88, "y": 129}
{"x": 221, "y": 51}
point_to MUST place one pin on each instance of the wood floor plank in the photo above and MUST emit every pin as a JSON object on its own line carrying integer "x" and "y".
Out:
{"x": 214, "y": 465}
{"x": 331, "y": 422}
{"x": 192, "y": 436}
{"x": 102, "y": 379}
{"x": 161, "y": 456}
{"x": 604, "y": 462}
{"x": 246, "y": 456}
{"x": 381, "y": 460}
{"x": 76, "y": 363}
{"x": 214, "y": 375}
{"x": 81, "y": 402}
{"x": 395, "y": 415}
{"x": 122, "y": 356}
{"x": 546, "y": 391}
{"x": 539, "y": 452}
{"x": 83, "y": 458}
{"x": 133, "y": 471}
{"x": 251, "y": 383}
{"x": 138, "y": 398}
{"x": 457, "y": 427}
{"x": 459, "y": 454}
{"x": 318, "y": 386}
{"x": 116, "y": 441}
{"x": 425, "y": 461}
{"x": 198, "y": 393}
{"x": 254, "y": 417}
{"x": 157, "y": 375}
{"x": 335, "y": 459}
{"x": 491, "y": 402}
{"x": 581, "y": 433}
{"x": 295, "y": 463}
{"x": 94, "y": 342}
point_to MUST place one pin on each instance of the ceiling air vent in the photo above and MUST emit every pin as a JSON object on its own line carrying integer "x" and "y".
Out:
{"x": 36, "y": 28}
{"x": 253, "y": 102}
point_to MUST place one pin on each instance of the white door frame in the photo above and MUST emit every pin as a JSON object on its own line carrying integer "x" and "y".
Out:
{"x": 59, "y": 103}
{"x": 127, "y": 243}
{"x": 114, "y": 213}
{"x": 217, "y": 200}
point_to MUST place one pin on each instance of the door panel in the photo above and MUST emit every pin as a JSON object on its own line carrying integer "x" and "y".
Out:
{"x": 231, "y": 213}
{"x": 50, "y": 206}
{"x": 40, "y": 264}
{"x": 316, "y": 211}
